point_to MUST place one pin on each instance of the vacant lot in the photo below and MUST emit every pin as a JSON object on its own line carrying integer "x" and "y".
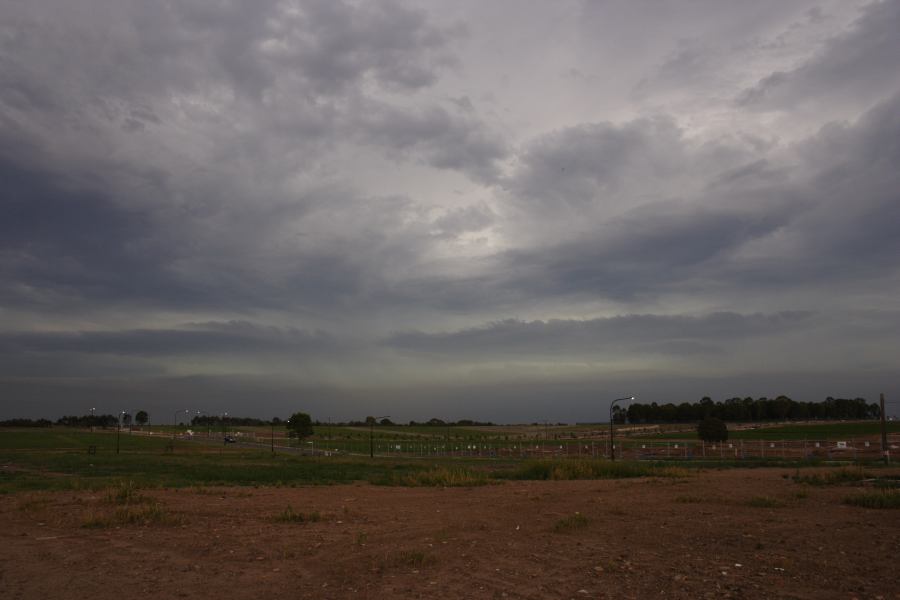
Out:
{"x": 752, "y": 533}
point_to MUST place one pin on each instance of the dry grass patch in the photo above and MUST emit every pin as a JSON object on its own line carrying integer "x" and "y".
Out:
{"x": 153, "y": 513}
{"x": 289, "y": 515}
{"x": 765, "y": 502}
{"x": 442, "y": 477}
{"x": 876, "y": 499}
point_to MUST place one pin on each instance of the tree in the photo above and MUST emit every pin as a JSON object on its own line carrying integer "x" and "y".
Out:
{"x": 141, "y": 417}
{"x": 712, "y": 429}
{"x": 299, "y": 425}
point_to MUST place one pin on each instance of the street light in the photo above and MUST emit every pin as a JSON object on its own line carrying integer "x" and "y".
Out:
{"x": 612, "y": 444}
{"x": 177, "y": 412}
{"x": 208, "y": 422}
{"x": 372, "y": 433}
{"x": 119, "y": 430}
{"x": 92, "y": 419}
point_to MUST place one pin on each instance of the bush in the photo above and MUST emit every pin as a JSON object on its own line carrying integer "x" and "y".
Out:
{"x": 712, "y": 429}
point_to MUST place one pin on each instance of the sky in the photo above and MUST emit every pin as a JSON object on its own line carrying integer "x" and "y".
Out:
{"x": 504, "y": 210}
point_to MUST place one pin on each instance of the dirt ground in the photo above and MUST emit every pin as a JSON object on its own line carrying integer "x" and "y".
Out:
{"x": 718, "y": 534}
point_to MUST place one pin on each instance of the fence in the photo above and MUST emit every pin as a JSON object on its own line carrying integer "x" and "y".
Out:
{"x": 628, "y": 449}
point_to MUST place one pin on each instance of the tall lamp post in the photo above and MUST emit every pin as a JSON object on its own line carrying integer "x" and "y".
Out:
{"x": 208, "y": 419}
{"x": 372, "y": 434}
{"x": 92, "y": 419}
{"x": 174, "y": 429}
{"x": 119, "y": 430}
{"x": 612, "y": 443}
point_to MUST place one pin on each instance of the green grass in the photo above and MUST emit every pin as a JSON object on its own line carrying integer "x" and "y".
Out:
{"x": 65, "y": 439}
{"x": 571, "y": 523}
{"x": 566, "y": 469}
{"x": 57, "y": 459}
{"x": 875, "y": 499}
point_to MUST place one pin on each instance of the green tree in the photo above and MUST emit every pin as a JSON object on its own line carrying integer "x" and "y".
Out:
{"x": 712, "y": 429}
{"x": 141, "y": 417}
{"x": 299, "y": 425}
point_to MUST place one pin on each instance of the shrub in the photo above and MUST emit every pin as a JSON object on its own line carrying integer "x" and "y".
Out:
{"x": 712, "y": 429}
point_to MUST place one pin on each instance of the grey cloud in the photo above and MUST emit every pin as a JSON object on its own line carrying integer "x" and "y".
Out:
{"x": 463, "y": 220}
{"x": 560, "y": 338}
{"x": 197, "y": 161}
{"x": 860, "y": 65}
{"x": 443, "y": 139}
{"x": 591, "y": 164}
{"x": 650, "y": 250}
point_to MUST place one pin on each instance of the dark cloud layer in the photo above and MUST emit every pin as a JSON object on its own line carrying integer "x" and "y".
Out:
{"x": 652, "y": 333}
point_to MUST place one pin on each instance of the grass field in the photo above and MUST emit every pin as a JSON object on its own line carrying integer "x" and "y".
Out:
{"x": 58, "y": 458}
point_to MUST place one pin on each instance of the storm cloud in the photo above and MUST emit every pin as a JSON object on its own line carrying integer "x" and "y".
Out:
{"x": 435, "y": 207}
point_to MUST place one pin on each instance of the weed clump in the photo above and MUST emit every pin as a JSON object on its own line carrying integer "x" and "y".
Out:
{"x": 415, "y": 559}
{"x": 764, "y": 502}
{"x": 124, "y": 493}
{"x": 571, "y": 523}
{"x": 288, "y": 515}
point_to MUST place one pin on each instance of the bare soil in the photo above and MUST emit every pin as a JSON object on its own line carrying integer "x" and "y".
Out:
{"x": 716, "y": 534}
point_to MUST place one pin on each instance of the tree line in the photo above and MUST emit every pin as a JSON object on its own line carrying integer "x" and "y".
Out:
{"x": 738, "y": 409}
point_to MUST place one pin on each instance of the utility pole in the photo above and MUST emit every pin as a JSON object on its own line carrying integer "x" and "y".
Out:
{"x": 885, "y": 450}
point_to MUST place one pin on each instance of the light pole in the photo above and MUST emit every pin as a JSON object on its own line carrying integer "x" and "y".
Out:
{"x": 612, "y": 443}
{"x": 372, "y": 434}
{"x": 208, "y": 426}
{"x": 92, "y": 419}
{"x": 174, "y": 429}
{"x": 119, "y": 430}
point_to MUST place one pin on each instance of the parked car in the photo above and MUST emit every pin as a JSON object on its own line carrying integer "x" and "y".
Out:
{"x": 230, "y": 440}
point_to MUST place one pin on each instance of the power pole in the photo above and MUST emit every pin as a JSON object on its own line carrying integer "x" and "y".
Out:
{"x": 885, "y": 450}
